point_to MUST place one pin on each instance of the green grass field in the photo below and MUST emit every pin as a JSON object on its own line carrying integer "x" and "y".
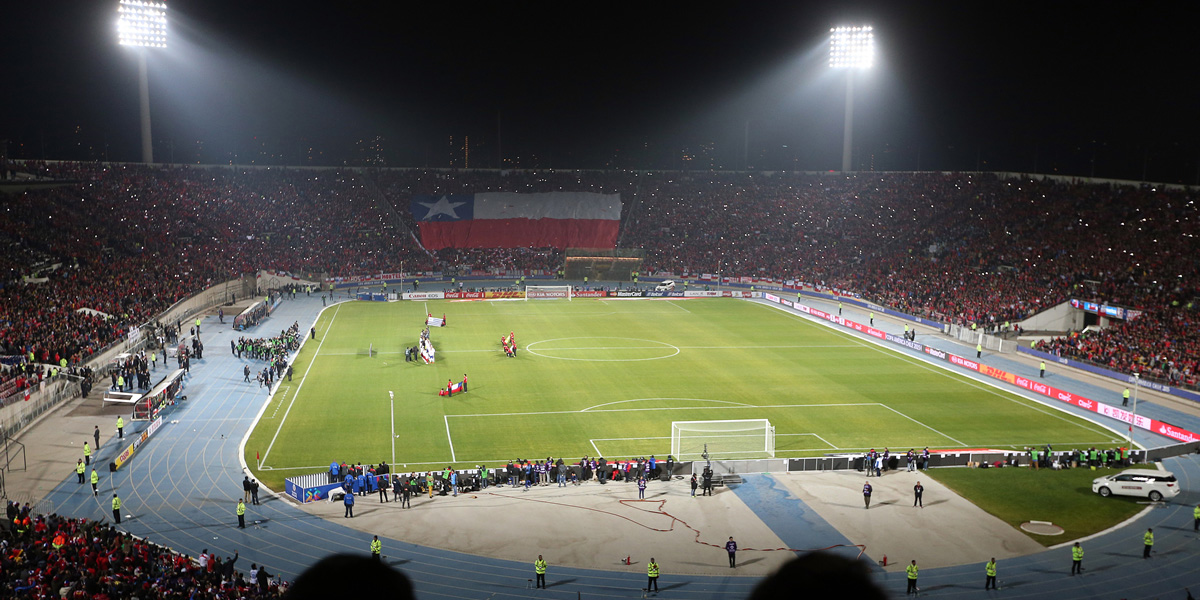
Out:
{"x": 1064, "y": 498}
{"x": 607, "y": 377}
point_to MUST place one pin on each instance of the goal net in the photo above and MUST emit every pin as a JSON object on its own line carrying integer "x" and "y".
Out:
{"x": 737, "y": 439}
{"x": 548, "y": 292}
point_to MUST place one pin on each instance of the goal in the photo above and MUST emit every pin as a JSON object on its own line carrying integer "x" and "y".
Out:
{"x": 548, "y": 292}
{"x": 736, "y": 439}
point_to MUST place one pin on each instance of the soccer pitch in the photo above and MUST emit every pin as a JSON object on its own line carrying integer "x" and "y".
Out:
{"x": 607, "y": 377}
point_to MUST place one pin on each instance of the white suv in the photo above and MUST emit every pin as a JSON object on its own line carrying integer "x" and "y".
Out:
{"x": 666, "y": 286}
{"x": 1144, "y": 483}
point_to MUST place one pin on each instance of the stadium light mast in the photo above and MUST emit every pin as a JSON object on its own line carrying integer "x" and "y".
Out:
{"x": 1137, "y": 383}
{"x": 143, "y": 25}
{"x": 851, "y": 49}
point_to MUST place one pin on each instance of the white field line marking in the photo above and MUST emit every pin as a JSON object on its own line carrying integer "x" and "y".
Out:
{"x": 446, "y": 418}
{"x": 630, "y": 438}
{"x": 630, "y": 348}
{"x": 598, "y": 453}
{"x": 819, "y": 438}
{"x": 282, "y": 397}
{"x": 923, "y": 425}
{"x": 948, "y": 372}
{"x": 672, "y": 303}
{"x": 311, "y": 362}
{"x": 653, "y": 399}
{"x": 572, "y": 412}
{"x": 392, "y": 407}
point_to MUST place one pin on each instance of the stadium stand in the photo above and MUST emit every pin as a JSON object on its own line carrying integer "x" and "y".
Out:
{"x": 958, "y": 248}
{"x": 51, "y": 556}
{"x": 116, "y": 244}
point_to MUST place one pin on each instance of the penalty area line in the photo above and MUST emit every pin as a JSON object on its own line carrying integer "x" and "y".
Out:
{"x": 923, "y": 425}
{"x": 446, "y": 418}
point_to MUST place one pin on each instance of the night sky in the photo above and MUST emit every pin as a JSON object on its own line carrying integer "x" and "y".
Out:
{"x": 1108, "y": 89}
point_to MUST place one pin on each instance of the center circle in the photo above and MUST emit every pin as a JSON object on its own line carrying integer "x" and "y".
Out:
{"x": 602, "y": 349}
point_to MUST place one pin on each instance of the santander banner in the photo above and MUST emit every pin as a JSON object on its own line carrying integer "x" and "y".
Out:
{"x": 1033, "y": 385}
{"x": 509, "y": 220}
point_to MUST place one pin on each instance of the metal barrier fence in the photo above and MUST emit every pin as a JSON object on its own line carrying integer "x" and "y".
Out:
{"x": 989, "y": 342}
{"x": 1157, "y": 454}
{"x": 44, "y": 400}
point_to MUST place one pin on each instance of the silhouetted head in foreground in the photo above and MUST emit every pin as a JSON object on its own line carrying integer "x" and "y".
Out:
{"x": 371, "y": 579}
{"x": 820, "y": 575}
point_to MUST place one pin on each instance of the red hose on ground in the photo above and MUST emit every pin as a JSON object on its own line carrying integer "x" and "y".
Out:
{"x": 659, "y": 511}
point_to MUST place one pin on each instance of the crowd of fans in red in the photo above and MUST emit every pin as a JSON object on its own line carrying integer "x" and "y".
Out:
{"x": 953, "y": 247}
{"x": 56, "y": 557}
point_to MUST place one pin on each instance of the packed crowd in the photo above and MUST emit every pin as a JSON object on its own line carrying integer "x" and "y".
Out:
{"x": 273, "y": 349}
{"x": 953, "y": 247}
{"x": 48, "y": 556}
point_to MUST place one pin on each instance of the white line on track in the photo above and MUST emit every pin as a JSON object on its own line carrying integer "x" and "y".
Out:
{"x": 328, "y": 327}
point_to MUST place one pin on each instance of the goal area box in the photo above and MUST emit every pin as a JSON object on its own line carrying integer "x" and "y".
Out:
{"x": 722, "y": 439}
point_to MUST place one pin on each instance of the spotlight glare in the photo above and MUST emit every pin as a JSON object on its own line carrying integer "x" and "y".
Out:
{"x": 851, "y": 47}
{"x": 142, "y": 23}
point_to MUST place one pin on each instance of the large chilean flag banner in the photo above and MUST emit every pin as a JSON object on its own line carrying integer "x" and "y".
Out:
{"x": 508, "y": 220}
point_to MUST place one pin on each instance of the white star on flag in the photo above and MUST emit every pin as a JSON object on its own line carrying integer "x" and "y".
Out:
{"x": 442, "y": 207}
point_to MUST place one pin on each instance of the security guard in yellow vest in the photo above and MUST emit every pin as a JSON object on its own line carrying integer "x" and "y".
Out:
{"x": 990, "y": 570}
{"x": 1148, "y": 543}
{"x": 241, "y": 513}
{"x": 652, "y": 572}
{"x": 1196, "y": 518}
{"x": 120, "y": 428}
{"x": 87, "y": 454}
{"x": 539, "y": 568}
{"x": 1125, "y": 397}
{"x": 116, "y": 504}
{"x": 95, "y": 482}
{"x": 978, "y": 350}
{"x": 1043, "y": 368}
{"x": 79, "y": 469}
{"x": 911, "y": 570}
{"x": 376, "y": 548}
{"x": 1076, "y": 559}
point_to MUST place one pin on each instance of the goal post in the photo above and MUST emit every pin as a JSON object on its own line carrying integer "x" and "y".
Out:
{"x": 548, "y": 292}
{"x": 726, "y": 439}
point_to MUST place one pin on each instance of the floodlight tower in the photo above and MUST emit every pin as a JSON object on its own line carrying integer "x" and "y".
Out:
{"x": 852, "y": 49}
{"x": 143, "y": 24}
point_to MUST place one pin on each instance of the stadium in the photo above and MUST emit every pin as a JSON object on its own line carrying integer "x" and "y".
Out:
{"x": 686, "y": 357}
